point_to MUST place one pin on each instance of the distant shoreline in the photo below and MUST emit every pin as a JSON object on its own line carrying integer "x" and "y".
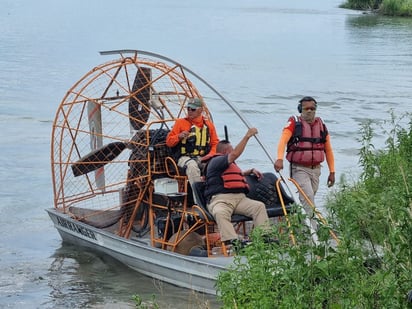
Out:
{"x": 400, "y": 8}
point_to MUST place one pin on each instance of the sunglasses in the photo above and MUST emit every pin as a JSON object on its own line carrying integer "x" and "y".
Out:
{"x": 191, "y": 109}
{"x": 309, "y": 109}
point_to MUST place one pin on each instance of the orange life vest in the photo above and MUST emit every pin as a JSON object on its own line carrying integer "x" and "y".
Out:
{"x": 233, "y": 178}
{"x": 230, "y": 181}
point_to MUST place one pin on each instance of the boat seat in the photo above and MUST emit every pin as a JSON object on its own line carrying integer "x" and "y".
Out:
{"x": 205, "y": 222}
{"x": 264, "y": 190}
{"x": 203, "y": 212}
{"x": 172, "y": 169}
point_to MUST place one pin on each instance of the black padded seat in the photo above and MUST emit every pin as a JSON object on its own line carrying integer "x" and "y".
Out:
{"x": 198, "y": 190}
{"x": 264, "y": 190}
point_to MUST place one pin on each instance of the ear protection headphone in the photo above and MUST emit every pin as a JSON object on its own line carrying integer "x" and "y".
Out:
{"x": 305, "y": 99}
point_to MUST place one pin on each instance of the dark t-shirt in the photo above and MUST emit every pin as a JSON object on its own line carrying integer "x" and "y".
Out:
{"x": 214, "y": 181}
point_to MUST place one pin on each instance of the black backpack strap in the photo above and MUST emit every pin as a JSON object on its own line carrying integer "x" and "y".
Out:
{"x": 297, "y": 132}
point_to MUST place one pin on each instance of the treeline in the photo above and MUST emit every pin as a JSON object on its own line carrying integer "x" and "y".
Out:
{"x": 384, "y": 7}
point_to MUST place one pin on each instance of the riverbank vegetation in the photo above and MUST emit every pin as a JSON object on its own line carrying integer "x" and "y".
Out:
{"x": 370, "y": 267}
{"x": 384, "y": 7}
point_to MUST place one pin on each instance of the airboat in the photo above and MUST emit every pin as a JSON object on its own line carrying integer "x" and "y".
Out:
{"x": 118, "y": 190}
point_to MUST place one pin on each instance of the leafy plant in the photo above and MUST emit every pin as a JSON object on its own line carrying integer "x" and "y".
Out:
{"x": 139, "y": 303}
{"x": 369, "y": 268}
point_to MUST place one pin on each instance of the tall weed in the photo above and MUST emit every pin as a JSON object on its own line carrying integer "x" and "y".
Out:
{"x": 396, "y": 7}
{"x": 369, "y": 268}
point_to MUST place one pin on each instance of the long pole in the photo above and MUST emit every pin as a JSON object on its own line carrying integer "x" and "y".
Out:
{"x": 198, "y": 77}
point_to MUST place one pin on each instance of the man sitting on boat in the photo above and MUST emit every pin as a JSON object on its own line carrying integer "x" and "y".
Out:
{"x": 191, "y": 138}
{"x": 226, "y": 189}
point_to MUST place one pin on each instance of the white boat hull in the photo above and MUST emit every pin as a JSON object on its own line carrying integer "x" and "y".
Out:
{"x": 195, "y": 273}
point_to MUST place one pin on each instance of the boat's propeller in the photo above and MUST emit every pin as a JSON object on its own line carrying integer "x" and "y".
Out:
{"x": 139, "y": 112}
{"x": 98, "y": 158}
{"x": 139, "y": 103}
{"x": 107, "y": 153}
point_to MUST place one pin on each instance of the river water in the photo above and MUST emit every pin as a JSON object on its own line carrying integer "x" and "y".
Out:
{"x": 263, "y": 55}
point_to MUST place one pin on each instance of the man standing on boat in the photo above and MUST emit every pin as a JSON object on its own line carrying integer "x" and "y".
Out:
{"x": 307, "y": 141}
{"x": 226, "y": 189}
{"x": 192, "y": 137}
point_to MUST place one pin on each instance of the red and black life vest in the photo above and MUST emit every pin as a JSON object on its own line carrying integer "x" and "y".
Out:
{"x": 307, "y": 144}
